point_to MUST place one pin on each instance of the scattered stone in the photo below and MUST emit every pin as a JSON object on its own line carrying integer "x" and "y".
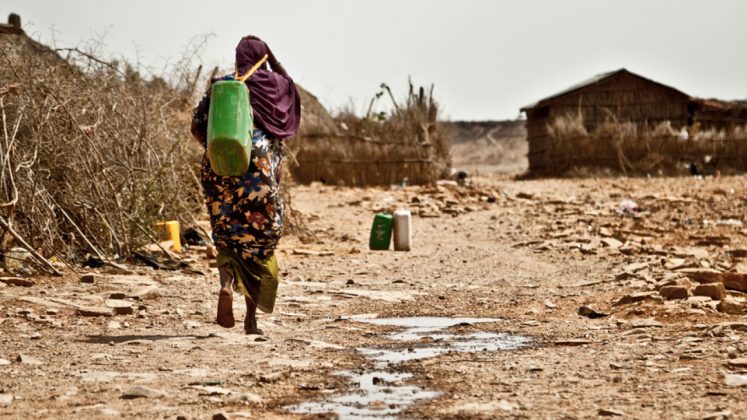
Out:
{"x": 608, "y": 412}
{"x": 114, "y": 325}
{"x": 117, "y": 295}
{"x": 28, "y": 360}
{"x": 635, "y": 267}
{"x": 17, "y": 281}
{"x": 735, "y": 380}
{"x": 52, "y": 311}
{"x": 36, "y": 336}
{"x": 646, "y": 323}
{"x": 219, "y": 416}
{"x": 721, "y": 415}
{"x": 147, "y": 292}
{"x": 702, "y": 275}
{"x": 589, "y": 312}
{"x": 572, "y": 342}
{"x": 93, "y": 311}
{"x": 735, "y": 281}
{"x": 89, "y": 278}
{"x": 107, "y": 412}
{"x": 120, "y": 307}
{"x": 715, "y": 291}
{"x": 634, "y": 298}
{"x": 738, "y": 363}
{"x": 211, "y": 390}
{"x": 4, "y": 362}
{"x": 6, "y": 399}
{"x": 730, "y": 306}
{"x": 612, "y": 243}
{"x": 246, "y": 397}
{"x": 142, "y": 392}
{"x": 674, "y": 292}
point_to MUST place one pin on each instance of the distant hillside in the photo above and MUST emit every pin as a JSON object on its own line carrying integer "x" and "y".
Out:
{"x": 489, "y": 146}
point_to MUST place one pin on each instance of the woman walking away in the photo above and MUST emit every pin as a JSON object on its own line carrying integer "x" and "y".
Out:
{"x": 246, "y": 212}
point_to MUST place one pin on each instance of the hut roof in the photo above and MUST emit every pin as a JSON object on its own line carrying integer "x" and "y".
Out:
{"x": 600, "y": 78}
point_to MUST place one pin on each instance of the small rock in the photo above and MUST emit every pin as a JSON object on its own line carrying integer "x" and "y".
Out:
{"x": 142, "y": 392}
{"x": 608, "y": 412}
{"x": 730, "y": 306}
{"x": 36, "y": 336}
{"x": 114, "y": 325}
{"x": 219, "y": 416}
{"x": 52, "y": 311}
{"x": 674, "y": 292}
{"x": 350, "y": 282}
{"x": 120, "y": 307}
{"x": 89, "y": 278}
{"x": 612, "y": 243}
{"x": 738, "y": 363}
{"x": 634, "y": 298}
{"x": 93, "y": 311}
{"x": 720, "y": 415}
{"x": 117, "y": 295}
{"x": 735, "y": 380}
{"x": 646, "y": 323}
{"x": 590, "y": 312}
{"x": 6, "y": 399}
{"x": 17, "y": 281}
{"x": 246, "y": 397}
{"x": 107, "y": 412}
{"x": 4, "y": 362}
{"x": 146, "y": 292}
{"x": 715, "y": 291}
{"x": 28, "y": 360}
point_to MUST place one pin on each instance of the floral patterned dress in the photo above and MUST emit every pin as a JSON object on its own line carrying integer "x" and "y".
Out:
{"x": 246, "y": 212}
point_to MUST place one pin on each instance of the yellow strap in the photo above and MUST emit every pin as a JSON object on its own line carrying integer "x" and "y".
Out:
{"x": 251, "y": 70}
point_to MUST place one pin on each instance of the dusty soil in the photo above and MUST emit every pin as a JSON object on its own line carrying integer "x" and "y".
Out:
{"x": 528, "y": 254}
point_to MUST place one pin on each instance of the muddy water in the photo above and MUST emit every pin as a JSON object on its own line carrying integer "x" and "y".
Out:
{"x": 383, "y": 394}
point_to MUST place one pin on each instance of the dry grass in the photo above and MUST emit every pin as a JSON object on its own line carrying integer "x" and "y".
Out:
{"x": 639, "y": 150}
{"x": 92, "y": 153}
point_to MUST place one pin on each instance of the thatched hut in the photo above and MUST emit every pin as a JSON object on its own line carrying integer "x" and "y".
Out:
{"x": 618, "y": 95}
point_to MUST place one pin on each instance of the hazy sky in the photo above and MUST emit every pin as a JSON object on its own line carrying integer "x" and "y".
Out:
{"x": 486, "y": 58}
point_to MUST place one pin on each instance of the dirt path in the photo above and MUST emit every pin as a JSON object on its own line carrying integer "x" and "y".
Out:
{"x": 520, "y": 256}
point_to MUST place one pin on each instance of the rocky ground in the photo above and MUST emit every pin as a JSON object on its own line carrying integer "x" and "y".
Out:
{"x": 546, "y": 299}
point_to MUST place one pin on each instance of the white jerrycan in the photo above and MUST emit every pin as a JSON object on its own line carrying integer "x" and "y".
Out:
{"x": 402, "y": 230}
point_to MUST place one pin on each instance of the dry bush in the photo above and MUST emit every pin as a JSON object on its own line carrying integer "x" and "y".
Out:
{"x": 93, "y": 153}
{"x": 638, "y": 149}
{"x": 408, "y": 145}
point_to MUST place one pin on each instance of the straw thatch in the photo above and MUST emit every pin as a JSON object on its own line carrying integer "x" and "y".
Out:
{"x": 409, "y": 146}
{"x": 623, "y": 121}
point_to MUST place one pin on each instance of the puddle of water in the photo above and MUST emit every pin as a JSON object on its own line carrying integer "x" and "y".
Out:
{"x": 382, "y": 394}
{"x": 470, "y": 343}
{"x": 418, "y": 327}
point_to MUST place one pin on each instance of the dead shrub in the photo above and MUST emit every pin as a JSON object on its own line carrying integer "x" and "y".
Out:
{"x": 92, "y": 152}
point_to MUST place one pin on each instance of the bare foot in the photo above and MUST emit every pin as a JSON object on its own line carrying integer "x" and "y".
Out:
{"x": 250, "y": 321}
{"x": 225, "y": 300}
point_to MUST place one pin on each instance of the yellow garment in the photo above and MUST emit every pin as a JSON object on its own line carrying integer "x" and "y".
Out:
{"x": 257, "y": 279}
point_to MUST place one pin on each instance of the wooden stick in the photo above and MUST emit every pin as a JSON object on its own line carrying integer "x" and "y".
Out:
{"x": 28, "y": 247}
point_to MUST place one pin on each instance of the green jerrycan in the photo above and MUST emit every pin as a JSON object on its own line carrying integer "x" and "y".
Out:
{"x": 229, "y": 140}
{"x": 381, "y": 232}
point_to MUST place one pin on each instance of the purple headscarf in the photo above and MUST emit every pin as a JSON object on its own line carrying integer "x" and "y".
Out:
{"x": 275, "y": 101}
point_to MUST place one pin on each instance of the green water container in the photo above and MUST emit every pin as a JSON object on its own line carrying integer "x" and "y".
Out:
{"x": 381, "y": 232}
{"x": 229, "y": 140}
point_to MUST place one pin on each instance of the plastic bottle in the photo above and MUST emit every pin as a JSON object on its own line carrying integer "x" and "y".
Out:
{"x": 229, "y": 141}
{"x": 402, "y": 230}
{"x": 381, "y": 232}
